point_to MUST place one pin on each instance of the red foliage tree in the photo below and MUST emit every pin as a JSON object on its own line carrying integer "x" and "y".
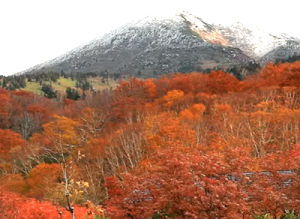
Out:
{"x": 18, "y": 207}
{"x": 8, "y": 141}
{"x": 177, "y": 185}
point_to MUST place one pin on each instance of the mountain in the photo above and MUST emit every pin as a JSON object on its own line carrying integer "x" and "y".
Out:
{"x": 259, "y": 44}
{"x": 178, "y": 43}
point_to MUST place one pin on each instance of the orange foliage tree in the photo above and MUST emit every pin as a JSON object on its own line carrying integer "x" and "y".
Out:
{"x": 177, "y": 185}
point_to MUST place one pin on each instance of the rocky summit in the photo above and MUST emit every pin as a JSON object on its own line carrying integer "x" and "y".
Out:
{"x": 178, "y": 43}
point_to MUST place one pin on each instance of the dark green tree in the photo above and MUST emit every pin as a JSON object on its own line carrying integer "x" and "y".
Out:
{"x": 72, "y": 93}
{"x": 48, "y": 91}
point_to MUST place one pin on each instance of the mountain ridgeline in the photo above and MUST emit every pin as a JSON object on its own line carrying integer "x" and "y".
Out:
{"x": 178, "y": 43}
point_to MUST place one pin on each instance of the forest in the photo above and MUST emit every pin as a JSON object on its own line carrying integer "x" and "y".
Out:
{"x": 179, "y": 146}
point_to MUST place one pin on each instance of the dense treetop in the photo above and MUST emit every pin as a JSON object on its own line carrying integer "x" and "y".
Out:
{"x": 179, "y": 146}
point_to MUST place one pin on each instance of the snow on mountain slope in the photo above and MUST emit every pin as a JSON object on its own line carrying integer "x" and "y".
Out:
{"x": 170, "y": 43}
{"x": 257, "y": 43}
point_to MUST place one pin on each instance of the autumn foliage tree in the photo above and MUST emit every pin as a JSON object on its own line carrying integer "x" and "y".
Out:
{"x": 9, "y": 140}
{"x": 13, "y": 205}
{"x": 179, "y": 146}
{"x": 42, "y": 179}
{"x": 177, "y": 185}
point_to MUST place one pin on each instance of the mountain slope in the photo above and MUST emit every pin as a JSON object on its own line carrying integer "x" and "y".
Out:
{"x": 177, "y": 43}
{"x": 181, "y": 42}
{"x": 259, "y": 44}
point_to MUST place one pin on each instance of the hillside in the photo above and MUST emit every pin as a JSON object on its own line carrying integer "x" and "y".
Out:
{"x": 63, "y": 83}
{"x": 178, "y": 43}
{"x": 258, "y": 44}
{"x": 53, "y": 85}
{"x": 180, "y": 146}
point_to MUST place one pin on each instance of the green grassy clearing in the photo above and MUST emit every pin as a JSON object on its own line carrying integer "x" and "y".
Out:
{"x": 63, "y": 83}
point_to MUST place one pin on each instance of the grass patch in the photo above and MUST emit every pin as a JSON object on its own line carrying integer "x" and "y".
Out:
{"x": 33, "y": 87}
{"x": 66, "y": 82}
{"x": 63, "y": 83}
{"x": 98, "y": 85}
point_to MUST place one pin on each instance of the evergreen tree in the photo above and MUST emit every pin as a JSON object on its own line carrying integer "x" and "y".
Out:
{"x": 72, "y": 93}
{"x": 48, "y": 91}
{"x": 4, "y": 82}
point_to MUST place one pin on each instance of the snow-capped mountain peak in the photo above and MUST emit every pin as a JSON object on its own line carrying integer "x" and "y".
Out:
{"x": 173, "y": 42}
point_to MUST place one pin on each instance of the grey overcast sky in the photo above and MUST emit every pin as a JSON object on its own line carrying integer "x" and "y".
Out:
{"x": 34, "y": 31}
